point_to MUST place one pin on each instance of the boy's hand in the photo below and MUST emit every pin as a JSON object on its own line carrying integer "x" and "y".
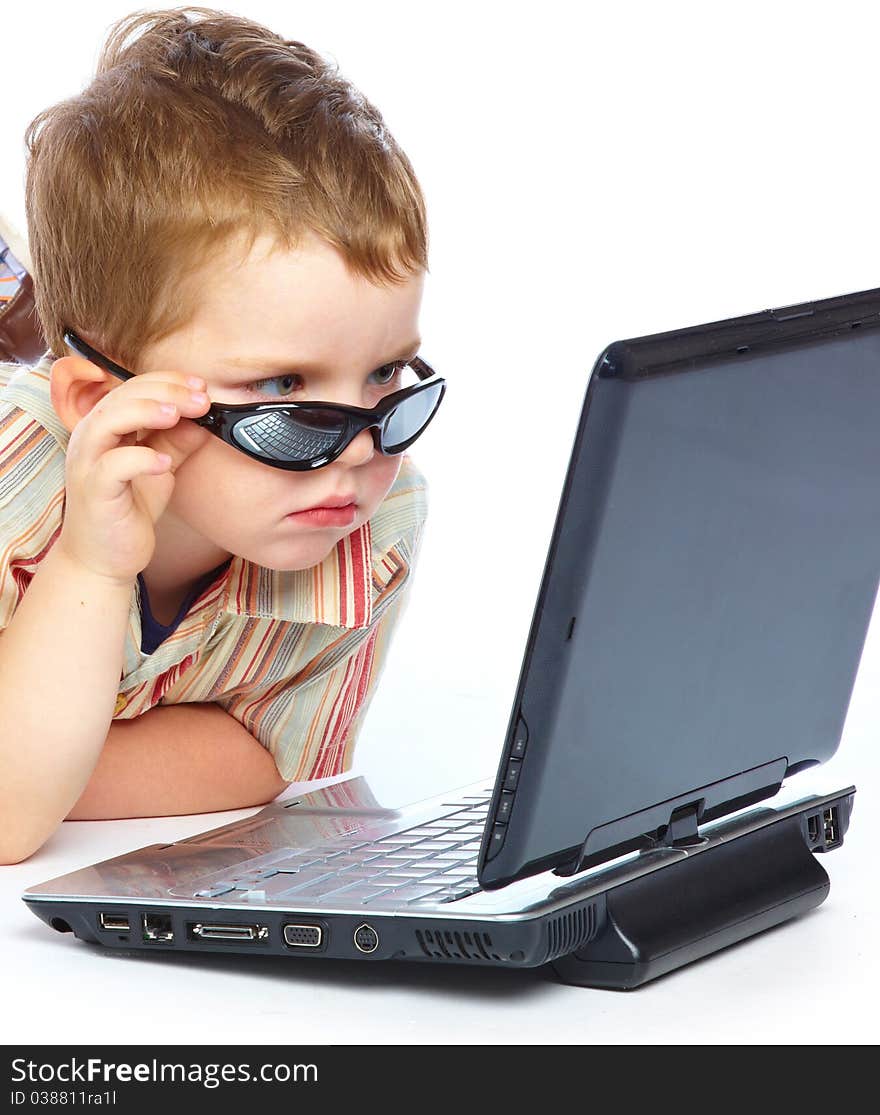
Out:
{"x": 117, "y": 487}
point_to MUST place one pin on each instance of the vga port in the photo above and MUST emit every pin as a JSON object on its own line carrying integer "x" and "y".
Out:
{"x": 303, "y": 936}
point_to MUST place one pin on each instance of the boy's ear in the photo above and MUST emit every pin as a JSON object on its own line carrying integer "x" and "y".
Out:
{"x": 76, "y": 386}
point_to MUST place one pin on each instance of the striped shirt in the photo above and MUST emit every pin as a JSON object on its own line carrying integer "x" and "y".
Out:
{"x": 294, "y": 655}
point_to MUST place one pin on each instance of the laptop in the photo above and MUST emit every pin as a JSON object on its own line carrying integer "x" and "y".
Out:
{"x": 705, "y": 600}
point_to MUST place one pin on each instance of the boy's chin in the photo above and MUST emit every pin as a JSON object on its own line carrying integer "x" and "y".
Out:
{"x": 304, "y": 555}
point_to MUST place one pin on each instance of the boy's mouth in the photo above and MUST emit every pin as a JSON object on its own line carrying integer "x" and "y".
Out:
{"x": 331, "y": 502}
{"x": 326, "y": 516}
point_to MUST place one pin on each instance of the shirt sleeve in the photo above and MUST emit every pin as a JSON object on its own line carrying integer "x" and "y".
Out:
{"x": 311, "y": 727}
{"x": 31, "y": 502}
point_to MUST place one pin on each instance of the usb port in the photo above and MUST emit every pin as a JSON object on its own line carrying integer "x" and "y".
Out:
{"x": 113, "y": 923}
{"x": 823, "y": 829}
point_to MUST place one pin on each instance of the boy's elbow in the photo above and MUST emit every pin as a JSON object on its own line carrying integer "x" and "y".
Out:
{"x": 19, "y": 840}
{"x": 8, "y": 859}
{"x": 12, "y": 852}
{"x": 277, "y": 785}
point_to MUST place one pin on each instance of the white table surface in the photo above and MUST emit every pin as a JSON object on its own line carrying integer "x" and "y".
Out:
{"x": 813, "y": 979}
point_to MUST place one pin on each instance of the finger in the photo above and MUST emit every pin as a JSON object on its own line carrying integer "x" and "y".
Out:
{"x": 107, "y": 424}
{"x": 146, "y": 387}
{"x": 180, "y": 441}
{"x": 116, "y": 469}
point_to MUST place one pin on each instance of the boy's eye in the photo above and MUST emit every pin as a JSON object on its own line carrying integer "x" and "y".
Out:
{"x": 260, "y": 386}
{"x": 290, "y": 383}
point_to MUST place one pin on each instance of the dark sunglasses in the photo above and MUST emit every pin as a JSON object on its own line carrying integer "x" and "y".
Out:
{"x": 303, "y": 436}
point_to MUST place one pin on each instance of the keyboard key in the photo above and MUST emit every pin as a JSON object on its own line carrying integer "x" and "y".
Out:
{"x": 414, "y": 872}
{"x": 349, "y": 874}
{"x": 393, "y": 879}
{"x": 358, "y": 894}
{"x": 353, "y": 859}
{"x": 303, "y": 882}
{"x": 384, "y": 862}
{"x": 318, "y": 889}
{"x": 291, "y": 865}
{"x": 441, "y": 879}
{"x": 454, "y": 896}
{"x": 215, "y": 891}
{"x": 415, "y": 892}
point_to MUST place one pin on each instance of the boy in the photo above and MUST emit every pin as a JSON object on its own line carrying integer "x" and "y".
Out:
{"x": 221, "y": 214}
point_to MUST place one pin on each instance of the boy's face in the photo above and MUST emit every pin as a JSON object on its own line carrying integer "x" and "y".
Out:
{"x": 285, "y": 309}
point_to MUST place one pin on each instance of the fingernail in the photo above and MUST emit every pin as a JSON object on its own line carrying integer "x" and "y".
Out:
{"x": 195, "y": 381}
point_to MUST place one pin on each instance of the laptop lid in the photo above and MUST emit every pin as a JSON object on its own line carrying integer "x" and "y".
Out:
{"x": 708, "y": 586}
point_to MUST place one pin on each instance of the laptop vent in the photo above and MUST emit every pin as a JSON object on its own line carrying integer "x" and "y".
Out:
{"x": 570, "y": 931}
{"x": 445, "y": 944}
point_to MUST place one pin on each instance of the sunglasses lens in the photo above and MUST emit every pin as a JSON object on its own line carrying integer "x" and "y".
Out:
{"x": 284, "y": 436}
{"x": 407, "y": 420}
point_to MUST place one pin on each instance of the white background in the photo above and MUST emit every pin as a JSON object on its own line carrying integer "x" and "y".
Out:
{"x": 592, "y": 173}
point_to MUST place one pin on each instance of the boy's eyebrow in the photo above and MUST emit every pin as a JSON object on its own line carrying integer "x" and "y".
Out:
{"x": 285, "y": 365}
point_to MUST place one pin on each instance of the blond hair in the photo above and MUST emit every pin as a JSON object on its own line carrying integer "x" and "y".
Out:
{"x": 205, "y": 129}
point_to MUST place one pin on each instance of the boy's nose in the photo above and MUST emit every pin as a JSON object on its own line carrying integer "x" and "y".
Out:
{"x": 360, "y": 449}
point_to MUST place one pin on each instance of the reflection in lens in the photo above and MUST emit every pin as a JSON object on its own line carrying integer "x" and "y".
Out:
{"x": 408, "y": 419}
{"x": 283, "y": 436}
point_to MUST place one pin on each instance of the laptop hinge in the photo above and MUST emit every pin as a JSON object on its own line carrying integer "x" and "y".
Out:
{"x": 682, "y": 830}
{"x": 674, "y": 823}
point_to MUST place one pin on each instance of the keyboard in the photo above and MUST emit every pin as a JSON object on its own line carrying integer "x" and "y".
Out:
{"x": 434, "y": 861}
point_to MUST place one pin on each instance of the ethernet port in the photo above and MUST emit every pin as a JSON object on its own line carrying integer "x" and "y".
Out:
{"x": 158, "y": 927}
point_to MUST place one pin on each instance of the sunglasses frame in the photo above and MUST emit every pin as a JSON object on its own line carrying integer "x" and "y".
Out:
{"x": 222, "y": 417}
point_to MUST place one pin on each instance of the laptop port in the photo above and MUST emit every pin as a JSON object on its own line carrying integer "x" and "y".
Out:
{"x": 366, "y": 939}
{"x": 113, "y": 923}
{"x": 831, "y": 827}
{"x": 303, "y": 936}
{"x": 198, "y": 931}
{"x": 158, "y": 927}
{"x": 823, "y": 830}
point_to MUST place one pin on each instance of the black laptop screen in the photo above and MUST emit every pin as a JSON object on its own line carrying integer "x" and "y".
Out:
{"x": 708, "y": 587}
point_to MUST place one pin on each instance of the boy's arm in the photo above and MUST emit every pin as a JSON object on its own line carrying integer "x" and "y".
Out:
{"x": 178, "y": 759}
{"x": 60, "y": 664}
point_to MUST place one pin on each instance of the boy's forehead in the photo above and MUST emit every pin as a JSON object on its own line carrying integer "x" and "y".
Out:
{"x": 304, "y": 303}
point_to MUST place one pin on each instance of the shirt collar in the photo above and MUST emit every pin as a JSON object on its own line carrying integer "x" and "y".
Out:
{"x": 338, "y": 591}
{"x": 341, "y": 591}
